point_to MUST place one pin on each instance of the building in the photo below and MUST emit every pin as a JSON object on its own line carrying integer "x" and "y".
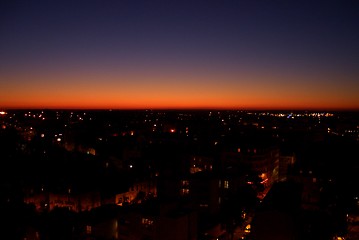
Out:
{"x": 262, "y": 161}
{"x": 285, "y": 162}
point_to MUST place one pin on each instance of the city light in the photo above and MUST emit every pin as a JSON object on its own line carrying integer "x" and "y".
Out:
{"x": 107, "y": 151}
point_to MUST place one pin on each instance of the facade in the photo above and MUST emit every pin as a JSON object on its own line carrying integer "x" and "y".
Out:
{"x": 87, "y": 201}
{"x": 48, "y": 201}
{"x": 137, "y": 192}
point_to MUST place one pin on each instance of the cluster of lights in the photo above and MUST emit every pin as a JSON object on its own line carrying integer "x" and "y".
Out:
{"x": 292, "y": 115}
{"x": 35, "y": 115}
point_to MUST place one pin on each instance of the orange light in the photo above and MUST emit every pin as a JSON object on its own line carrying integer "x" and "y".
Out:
{"x": 248, "y": 228}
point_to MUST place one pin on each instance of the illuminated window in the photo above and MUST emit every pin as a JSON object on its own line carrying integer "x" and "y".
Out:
{"x": 226, "y": 184}
{"x": 184, "y": 191}
{"x": 247, "y": 229}
{"x": 88, "y": 229}
{"x": 185, "y": 183}
{"x": 147, "y": 222}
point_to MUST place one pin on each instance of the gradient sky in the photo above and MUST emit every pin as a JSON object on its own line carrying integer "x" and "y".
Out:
{"x": 231, "y": 54}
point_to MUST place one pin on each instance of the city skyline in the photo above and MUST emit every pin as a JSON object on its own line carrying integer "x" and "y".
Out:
{"x": 179, "y": 54}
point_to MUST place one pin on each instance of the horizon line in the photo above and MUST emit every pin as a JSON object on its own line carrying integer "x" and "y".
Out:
{"x": 178, "y": 109}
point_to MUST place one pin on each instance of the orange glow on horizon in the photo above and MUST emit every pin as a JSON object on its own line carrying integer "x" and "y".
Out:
{"x": 166, "y": 91}
{"x": 175, "y": 103}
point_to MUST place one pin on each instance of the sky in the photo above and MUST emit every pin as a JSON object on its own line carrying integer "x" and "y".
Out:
{"x": 223, "y": 54}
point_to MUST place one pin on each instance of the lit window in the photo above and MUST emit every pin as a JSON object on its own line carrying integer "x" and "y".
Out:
{"x": 88, "y": 229}
{"x": 185, "y": 183}
{"x": 147, "y": 222}
{"x": 184, "y": 191}
{"x": 226, "y": 184}
{"x": 248, "y": 228}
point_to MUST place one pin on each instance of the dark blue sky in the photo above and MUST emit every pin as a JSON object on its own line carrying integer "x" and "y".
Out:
{"x": 290, "y": 45}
